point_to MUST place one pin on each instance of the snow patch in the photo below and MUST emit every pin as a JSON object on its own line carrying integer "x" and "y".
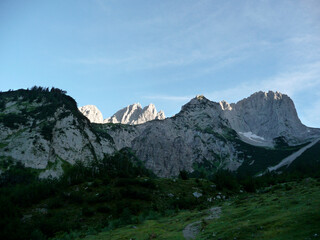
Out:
{"x": 252, "y": 136}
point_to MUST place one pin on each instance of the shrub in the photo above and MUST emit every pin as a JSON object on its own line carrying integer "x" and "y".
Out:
{"x": 47, "y": 131}
{"x": 183, "y": 175}
{"x": 13, "y": 120}
{"x": 225, "y": 180}
{"x": 249, "y": 184}
{"x": 104, "y": 209}
{"x": 55, "y": 202}
{"x": 87, "y": 212}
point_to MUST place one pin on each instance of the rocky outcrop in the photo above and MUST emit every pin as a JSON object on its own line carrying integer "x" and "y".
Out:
{"x": 135, "y": 114}
{"x": 193, "y": 136}
{"x": 92, "y": 113}
{"x": 264, "y": 116}
{"x": 45, "y": 133}
{"x": 132, "y": 114}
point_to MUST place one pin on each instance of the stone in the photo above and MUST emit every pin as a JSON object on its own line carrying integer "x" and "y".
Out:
{"x": 197, "y": 194}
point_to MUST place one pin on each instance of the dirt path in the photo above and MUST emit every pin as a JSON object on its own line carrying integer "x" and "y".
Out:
{"x": 193, "y": 229}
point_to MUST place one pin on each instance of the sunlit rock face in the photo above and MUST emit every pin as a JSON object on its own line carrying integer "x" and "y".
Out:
{"x": 135, "y": 114}
{"x": 92, "y": 113}
{"x": 44, "y": 130}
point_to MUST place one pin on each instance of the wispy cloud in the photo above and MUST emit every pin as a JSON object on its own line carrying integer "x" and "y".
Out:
{"x": 291, "y": 82}
{"x": 206, "y": 41}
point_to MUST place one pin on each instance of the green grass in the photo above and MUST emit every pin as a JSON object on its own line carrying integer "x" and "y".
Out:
{"x": 288, "y": 211}
{"x": 90, "y": 207}
{"x": 163, "y": 228}
{"x": 285, "y": 211}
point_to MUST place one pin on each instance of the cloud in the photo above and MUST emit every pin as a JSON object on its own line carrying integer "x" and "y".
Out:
{"x": 291, "y": 82}
{"x": 301, "y": 84}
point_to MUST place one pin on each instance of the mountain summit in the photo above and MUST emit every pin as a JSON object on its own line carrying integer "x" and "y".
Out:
{"x": 92, "y": 113}
{"x": 135, "y": 114}
{"x": 132, "y": 114}
{"x": 267, "y": 115}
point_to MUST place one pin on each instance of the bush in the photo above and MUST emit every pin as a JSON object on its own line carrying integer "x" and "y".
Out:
{"x": 87, "y": 212}
{"x": 104, "y": 209}
{"x": 13, "y": 120}
{"x": 226, "y": 180}
{"x": 183, "y": 175}
{"x": 17, "y": 174}
{"x": 54, "y": 203}
{"x": 249, "y": 184}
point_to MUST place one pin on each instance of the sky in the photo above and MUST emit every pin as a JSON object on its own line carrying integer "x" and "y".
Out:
{"x": 113, "y": 53}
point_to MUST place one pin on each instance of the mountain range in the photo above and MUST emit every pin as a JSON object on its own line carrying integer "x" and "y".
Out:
{"x": 45, "y": 130}
{"x": 132, "y": 114}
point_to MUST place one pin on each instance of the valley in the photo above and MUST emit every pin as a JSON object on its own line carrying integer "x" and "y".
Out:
{"x": 249, "y": 170}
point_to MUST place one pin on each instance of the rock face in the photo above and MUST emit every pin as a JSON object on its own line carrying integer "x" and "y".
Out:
{"x": 264, "y": 116}
{"x": 92, "y": 113}
{"x": 194, "y": 135}
{"x": 45, "y": 133}
{"x": 209, "y": 133}
{"x": 135, "y": 114}
{"x": 44, "y": 130}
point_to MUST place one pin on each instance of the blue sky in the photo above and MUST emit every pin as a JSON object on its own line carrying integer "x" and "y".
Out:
{"x": 112, "y": 53}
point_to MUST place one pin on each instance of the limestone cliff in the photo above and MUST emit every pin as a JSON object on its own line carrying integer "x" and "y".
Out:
{"x": 44, "y": 129}
{"x": 92, "y": 113}
{"x": 135, "y": 114}
{"x": 264, "y": 116}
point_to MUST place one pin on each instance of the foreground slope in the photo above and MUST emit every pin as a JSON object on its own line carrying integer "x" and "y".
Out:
{"x": 284, "y": 211}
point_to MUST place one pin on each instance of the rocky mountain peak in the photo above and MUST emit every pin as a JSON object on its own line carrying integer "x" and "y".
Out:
{"x": 135, "y": 114}
{"x": 197, "y": 104}
{"x": 270, "y": 96}
{"x": 150, "y": 108}
{"x": 267, "y": 115}
{"x": 132, "y": 114}
{"x": 200, "y": 97}
{"x": 225, "y": 106}
{"x": 92, "y": 113}
{"x": 160, "y": 115}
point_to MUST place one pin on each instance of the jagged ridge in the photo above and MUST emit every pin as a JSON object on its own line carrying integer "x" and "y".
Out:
{"x": 132, "y": 114}
{"x": 44, "y": 129}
